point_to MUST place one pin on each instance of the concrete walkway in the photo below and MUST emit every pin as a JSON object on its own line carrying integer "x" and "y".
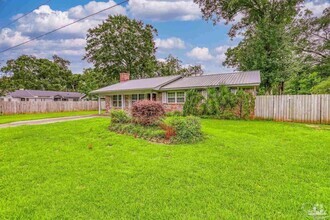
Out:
{"x": 46, "y": 121}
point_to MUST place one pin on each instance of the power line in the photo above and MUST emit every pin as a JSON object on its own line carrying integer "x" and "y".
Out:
{"x": 24, "y": 15}
{"x": 50, "y": 32}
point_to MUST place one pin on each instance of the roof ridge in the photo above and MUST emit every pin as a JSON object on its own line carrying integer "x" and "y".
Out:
{"x": 214, "y": 74}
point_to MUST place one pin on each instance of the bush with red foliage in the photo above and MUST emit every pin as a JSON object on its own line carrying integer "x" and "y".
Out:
{"x": 169, "y": 131}
{"x": 147, "y": 112}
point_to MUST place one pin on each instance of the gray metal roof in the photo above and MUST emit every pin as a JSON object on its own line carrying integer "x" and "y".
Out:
{"x": 138, "y": 84}
{"x": 210, "y": 80}
{"x": 43, "y": 94}
{"x": 248, "y": 78}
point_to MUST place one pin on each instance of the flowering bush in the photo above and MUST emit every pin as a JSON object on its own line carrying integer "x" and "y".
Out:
{"x": 146, "y": 112}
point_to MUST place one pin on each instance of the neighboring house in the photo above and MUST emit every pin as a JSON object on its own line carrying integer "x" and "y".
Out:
{"x": 171, "y": 90}
{"x": 40, "y": 95}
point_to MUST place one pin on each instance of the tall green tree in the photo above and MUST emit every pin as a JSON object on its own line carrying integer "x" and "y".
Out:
{"x": 173, "y": 66}
{"x": 29, "y": 72}
{"x": 91, "y": 80}
{"x": 122, "y": 44}
{"x": 311, "y": 41}
{"x": 266, "y": 44}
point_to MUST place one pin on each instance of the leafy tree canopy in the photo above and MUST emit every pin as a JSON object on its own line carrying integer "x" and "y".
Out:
{"x": 29, "y": 72}
{"x": 121, "y": 44}
{"x": 173, "y": 66}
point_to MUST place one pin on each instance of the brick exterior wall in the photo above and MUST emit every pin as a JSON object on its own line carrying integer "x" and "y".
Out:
{"x": 168, "y": 106}
{"x": 173, "y": 107}
{"x": 107, "y": 104}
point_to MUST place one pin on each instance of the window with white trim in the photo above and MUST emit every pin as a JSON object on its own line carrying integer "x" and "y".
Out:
{"x": 234, "y": 91}
{"x": 171, "y": 97}
{"x": 136, "y": 97}
{"x": 116, "y": 101}
{"x": 180, "y": 97}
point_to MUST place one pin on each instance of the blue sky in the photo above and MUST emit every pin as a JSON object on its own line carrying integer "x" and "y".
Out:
{"x": 181, "y": 30}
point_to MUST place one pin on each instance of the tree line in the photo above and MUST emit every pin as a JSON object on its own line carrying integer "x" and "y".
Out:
{"x": 286, "y": 43}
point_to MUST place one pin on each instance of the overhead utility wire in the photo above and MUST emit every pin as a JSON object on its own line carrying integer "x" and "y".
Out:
{"x": 12, "y": 22}
{"x": 50, "y": 32}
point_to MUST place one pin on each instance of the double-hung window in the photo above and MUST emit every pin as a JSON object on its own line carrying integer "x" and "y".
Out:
{"x": 116, "y": 101}
{"x": 180, "y": 97}
{"x": 136, "y": 97}
{"x": 171, "y": 97}
{"x": 175, "y": 97}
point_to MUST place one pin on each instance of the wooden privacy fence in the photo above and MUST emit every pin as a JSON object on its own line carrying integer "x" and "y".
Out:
{"x": 17, "y": 107}
{"x": 298, "y": 108}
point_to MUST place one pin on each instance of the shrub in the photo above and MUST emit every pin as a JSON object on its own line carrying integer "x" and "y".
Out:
{"x": 245, "y": 104}
{"x": 192, "y": 103}
{"x": 187, "y": 129}
{"x": 146, "y": 112}
{"x": 119, "y": 116}
{"x": 169, "y": 131}
{"x": 174, "y": 113}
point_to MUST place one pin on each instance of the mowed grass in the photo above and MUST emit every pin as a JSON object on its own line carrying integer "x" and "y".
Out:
{"x": 24, "y": 117}
{"x": 242, "y": 170}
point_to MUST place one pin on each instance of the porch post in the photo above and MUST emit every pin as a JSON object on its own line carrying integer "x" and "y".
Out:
{"x": 122, "y": 102}
{"x": 99, "y": 104}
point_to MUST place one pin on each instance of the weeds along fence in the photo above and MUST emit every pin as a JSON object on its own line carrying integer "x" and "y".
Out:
{"x": 18, "y": 107}
{"x": 297, "y": 108}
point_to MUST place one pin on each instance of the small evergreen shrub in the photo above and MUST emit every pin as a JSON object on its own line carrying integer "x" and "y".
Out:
{"x": 192, "y": 103}
{"x": 146, "y": 112}
{"x": 119, "y": 116}
{"x": 187, "y": 129}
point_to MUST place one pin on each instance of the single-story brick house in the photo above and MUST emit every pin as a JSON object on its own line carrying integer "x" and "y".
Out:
{"x": 171, "y": 90}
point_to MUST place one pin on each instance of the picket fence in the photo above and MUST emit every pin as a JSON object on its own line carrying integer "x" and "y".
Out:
{"x": 297, "y": 108}
{"x": 18, "y": 107}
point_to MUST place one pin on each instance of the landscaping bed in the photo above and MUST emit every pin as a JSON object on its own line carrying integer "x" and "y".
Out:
{"x": 148, "y": 121}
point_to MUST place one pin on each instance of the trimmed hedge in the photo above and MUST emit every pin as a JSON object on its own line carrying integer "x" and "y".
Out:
{"x": 147, "y": 112}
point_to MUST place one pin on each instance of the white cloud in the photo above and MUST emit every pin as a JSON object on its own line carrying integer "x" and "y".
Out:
{"x": 92, "y": 7}
{"x": 9, "y": 38}
{"x": 68, "y": 43}
{"x": 170, "y": 43}
{"x": 317, "y": 7}
{"x": 200, "y": 53}
{"x": 162, "y": 10}
{"x": 46, "y": 19}
{"x": 221, "y": 50}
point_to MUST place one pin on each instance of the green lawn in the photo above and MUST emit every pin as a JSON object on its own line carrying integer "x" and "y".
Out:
{"x": 24, "y": 117}
{"x": 243, "y": 170}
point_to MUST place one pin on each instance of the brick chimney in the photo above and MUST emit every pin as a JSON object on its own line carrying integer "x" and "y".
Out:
{"x": 124, "y": 77}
